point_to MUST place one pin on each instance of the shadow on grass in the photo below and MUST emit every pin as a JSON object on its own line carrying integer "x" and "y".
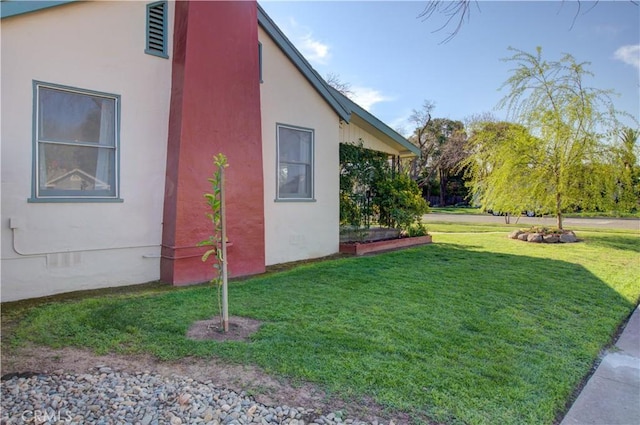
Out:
{"x": 445, "y": 332}
{"x": 616, "y": 242}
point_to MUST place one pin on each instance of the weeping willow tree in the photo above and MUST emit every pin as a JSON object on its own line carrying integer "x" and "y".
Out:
{"x": 553, "y": 155}
{"x": 501, "y": 169}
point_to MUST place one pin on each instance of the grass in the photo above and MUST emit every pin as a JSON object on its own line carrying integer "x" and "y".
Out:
{"x": 473, "y": 329}
{"x": 456, "y": 210}
{"x": 586, "y": 214}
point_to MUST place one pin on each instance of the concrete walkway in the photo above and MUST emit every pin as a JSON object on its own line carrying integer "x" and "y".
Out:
{"x": 612, "y": 394}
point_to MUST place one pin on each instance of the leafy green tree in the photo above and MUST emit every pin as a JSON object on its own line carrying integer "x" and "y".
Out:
{"x": 218, "y": 239}
{"x": 626, "y": 171}
{"x": 502, "y": 168}
{"x": 441, "y": 142}
{"x": 554, "y": 158}
{"x": 399, "y": 202}
{"x": 421, "y": 118}
{"x": 360, "y": 170}
{"x": 370, "y": 190}
{"x": 451, "y": 139}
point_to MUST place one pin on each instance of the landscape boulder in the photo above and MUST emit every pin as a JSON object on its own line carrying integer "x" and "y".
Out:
{"x": 568, "y": 237}
{"x": 515, "y": 234}
{"x": 534, "y": 237}
{"x": 551, "y": 238}
{"x": 538, "y": 234}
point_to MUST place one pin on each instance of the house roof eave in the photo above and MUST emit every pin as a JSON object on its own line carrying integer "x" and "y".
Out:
{"x": 404, "y": 147}
{"x": 14, "y": 8}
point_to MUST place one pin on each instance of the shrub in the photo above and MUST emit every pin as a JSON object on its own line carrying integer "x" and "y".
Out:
{"x": 399, "y": 201}
{"x": 360, "y": 170}
{"x": 370, "y": 190}
{"x": 417, "y": 229}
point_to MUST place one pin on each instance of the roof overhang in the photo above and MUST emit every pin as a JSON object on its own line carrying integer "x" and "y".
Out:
{"x": 402, "y": 149}
{"x": 10, "y": 8}
{"x": 373, "y": 125}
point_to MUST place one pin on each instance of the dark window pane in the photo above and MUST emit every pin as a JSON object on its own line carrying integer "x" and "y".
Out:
{"x": 76, "y": 168}
{"x": 73, "y": 117}
{"x": 295, "y": 181}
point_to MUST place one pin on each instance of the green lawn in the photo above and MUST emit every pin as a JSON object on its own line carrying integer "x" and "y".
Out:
{"x": 472, "y": 210}
{"x": 473, "y": 329}
{"x": 456, "y": 210}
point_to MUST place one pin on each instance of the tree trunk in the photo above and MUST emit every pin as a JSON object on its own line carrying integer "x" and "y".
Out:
{"x": 223, "y": 219}
{"x": 443, "y": 188}
{"x": 558, "y": 210}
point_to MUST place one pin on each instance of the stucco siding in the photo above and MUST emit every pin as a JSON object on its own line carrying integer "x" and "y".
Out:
{"x": 296, "y": 230}
{"x": 59, "y": 247}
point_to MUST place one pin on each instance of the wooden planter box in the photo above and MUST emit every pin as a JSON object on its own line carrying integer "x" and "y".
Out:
{"x": 386, "y": 245}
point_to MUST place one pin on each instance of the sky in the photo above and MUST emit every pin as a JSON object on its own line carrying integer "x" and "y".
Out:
{"x": 394, "y": 61}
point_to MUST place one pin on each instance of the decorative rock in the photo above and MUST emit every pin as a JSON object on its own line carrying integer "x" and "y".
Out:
{"x": 145, "y": 399}
{"x": 568, "y": 237}
{"x": 538, "y": 235}
{"x": 534, "y": 237}
{"x": 515, "y": 234}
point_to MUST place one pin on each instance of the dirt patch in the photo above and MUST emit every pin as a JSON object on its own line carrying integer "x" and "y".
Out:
{"x": 240, "y": 329}
{"x": 266, "y": 389}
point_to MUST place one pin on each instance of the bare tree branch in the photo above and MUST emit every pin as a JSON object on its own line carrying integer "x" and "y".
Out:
{"x": 334, "y": 81}
{"x": 457, "y": 11}
{"x": 451, "y": 9}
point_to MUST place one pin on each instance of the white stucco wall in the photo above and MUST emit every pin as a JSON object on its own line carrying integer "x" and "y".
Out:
{"x": 64, "y": 247}
{"x": 298, "y": 230}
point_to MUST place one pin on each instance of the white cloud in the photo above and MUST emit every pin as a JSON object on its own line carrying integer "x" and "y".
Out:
{"x": 312, "y": 49}
{"x": 367, "y": 97}
{"x": 629, "y": 54}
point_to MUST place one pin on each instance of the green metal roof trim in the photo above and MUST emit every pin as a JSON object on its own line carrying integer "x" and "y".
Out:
{"x": 301, "y": 63}
{"x": 10, "y": 8}
{"x": 375, "y": 122}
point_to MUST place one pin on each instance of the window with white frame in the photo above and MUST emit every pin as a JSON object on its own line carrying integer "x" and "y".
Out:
{"x": 76, "y": 142}
{"x": 295, "y": 163}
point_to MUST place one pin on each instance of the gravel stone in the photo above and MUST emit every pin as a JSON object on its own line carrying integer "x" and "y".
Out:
{"x": 107, "y": 396}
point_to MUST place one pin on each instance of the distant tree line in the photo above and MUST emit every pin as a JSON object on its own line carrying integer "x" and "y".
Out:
{"x": 562, "y": 149}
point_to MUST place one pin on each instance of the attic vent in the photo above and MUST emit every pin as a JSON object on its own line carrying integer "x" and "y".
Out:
{"x": 157, "y": 29}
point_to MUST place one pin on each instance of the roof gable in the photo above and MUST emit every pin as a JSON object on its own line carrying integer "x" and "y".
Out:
{"x": 343, "y": 106}
{"x": 301, "y": 63}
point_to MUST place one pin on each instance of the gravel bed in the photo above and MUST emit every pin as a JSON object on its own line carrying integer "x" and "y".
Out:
{"x": 105, "y": 396}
